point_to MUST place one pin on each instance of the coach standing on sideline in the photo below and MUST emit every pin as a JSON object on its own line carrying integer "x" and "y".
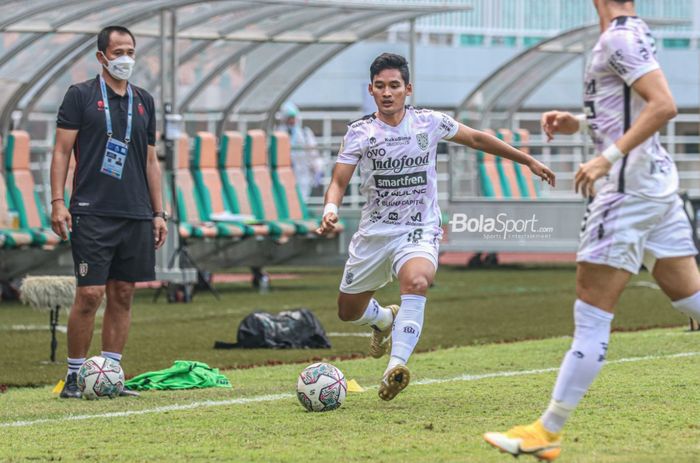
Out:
{"x": 116, "y": 219}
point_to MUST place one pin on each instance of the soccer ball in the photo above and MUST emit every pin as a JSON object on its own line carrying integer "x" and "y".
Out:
{"x": 100, "y": 377}
{"x": 321, "y": 387}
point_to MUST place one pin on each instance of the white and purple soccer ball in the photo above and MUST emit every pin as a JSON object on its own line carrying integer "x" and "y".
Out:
{"x": 100, "y": 377}
{"x": 321, "y": 387}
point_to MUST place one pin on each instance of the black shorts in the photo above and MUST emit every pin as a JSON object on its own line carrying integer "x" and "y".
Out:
{"x": 112, "y": 248}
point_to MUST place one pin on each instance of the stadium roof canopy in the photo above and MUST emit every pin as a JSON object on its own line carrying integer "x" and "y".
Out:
{"x": 233, "y": 56}
{"x": 502, "y": 93}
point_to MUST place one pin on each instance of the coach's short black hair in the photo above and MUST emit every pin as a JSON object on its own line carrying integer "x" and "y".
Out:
{"x": 389, "y": 61}
{"x": 103, "y": 36}
{"x": 623, "y": 1}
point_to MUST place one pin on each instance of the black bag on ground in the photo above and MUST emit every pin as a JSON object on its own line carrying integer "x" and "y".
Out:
{"x": 294, "y": 329}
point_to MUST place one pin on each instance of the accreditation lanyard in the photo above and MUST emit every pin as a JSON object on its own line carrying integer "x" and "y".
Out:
{"x": 115, "y": 151}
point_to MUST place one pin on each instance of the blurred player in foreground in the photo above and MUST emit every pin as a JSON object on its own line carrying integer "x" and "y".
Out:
{"x": 399, "y": 231}
{"x": 636, "y": 216}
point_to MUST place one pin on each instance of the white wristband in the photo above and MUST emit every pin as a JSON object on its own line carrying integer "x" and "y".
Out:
{"x": 612, "y": 153}
{"x": 582, "y": 123}
{"x": 330, "y": 207}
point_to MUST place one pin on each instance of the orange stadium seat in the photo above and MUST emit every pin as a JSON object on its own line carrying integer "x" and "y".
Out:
{"x": 234, "y": 188}
{"x": 208, "y": 189}
{"x": 260, "y": 190}
{"x": 21, "y": 188}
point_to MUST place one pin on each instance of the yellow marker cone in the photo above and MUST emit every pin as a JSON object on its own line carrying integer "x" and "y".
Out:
{"x": 58, "y": 387}
{"x": 354, "y": 386}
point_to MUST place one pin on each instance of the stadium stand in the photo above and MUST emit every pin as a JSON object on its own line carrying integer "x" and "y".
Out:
{"x": 10, "y": 236}
{"x": 260, "y": 190}
{"x": 208, "y": 188}
{"x": 22, "y": 191}
{"x": 233, "y": 181}
{"x": 501, "y": 178}
{"x": 287, "y": 195}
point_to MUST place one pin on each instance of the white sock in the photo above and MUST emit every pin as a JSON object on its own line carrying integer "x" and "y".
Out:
{"x": 689, "y": 306}
{"x": 581, "y": 364}
{"x": 407, "y": 328}
{"x": 74, "y": 365}
{"x": 376, "y": 316}
{"x": 117, "y": 357}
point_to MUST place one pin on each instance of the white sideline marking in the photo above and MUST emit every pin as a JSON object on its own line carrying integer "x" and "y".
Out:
{"x": 59, "y": 328}
{"x": 269, "y": 398}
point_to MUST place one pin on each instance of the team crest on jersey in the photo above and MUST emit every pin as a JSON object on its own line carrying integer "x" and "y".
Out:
{"x": 422, "y": 139}
{"x": 83, "y": 269}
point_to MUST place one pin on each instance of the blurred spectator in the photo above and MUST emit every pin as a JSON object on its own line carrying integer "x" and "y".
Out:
{"x": 307, "y": 162}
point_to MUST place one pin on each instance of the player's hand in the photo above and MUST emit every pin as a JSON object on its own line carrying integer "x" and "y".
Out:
{"x": 61, "y": 220}
{"x": 327, "y": 224}
{"x": 588, "y": 173}
{"x": 542, "y": 171}
{"x": 554, "y": 122}
{"x": 160, "y": 231}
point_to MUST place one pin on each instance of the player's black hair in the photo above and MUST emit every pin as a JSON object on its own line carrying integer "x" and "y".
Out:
{"x": 389, "y": 61}
{"x": 103, "y": 36}
{"x": 622, "y": 1}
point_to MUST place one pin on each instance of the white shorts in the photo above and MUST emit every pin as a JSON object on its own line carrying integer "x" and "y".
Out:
{"x": 374, "y": 260}
{"x": 624, "y": 231}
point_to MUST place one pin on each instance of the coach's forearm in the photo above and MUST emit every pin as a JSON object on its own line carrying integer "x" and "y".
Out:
{"x": 154, "y": 187}
{"x": 59, "y": 172}
{"x": 489, "y": 144}
{"x": 653, "y": 118}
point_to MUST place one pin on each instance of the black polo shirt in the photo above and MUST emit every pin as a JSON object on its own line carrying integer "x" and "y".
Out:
{"x": 95, "y": 193}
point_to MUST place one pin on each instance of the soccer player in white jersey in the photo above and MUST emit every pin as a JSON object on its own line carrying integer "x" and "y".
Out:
{"x": 635, "y": 217}
{"x": 399, "y": 232}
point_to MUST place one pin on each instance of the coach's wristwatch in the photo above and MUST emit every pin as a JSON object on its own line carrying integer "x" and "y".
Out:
{"x": 162, "y": 214}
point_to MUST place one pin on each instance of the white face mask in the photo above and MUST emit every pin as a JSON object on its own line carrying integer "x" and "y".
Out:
{"x": 120, "y": 68}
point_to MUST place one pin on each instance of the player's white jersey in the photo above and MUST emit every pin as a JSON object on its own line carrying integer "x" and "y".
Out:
{"x": 624, "y": 53}
{"x": 398, "y": 171}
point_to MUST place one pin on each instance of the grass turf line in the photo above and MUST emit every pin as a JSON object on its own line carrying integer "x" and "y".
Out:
{"x": 464, "y": 308}
{"x": 634, "y": 412}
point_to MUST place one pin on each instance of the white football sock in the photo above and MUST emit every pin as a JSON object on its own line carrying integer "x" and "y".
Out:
{"x": 74, "y": 365}
{"x": 116, "y": 356}
{"x": 689, "y": 306}
{"x": 407, "y": 328}
{"x": 376, "y": 316}
{"x": 581, "y": 364}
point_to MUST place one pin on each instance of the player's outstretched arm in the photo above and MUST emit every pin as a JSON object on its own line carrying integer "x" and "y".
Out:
{"x": 486, "y": 142}
{"x": 660, "y": 109}
{"x": 554, "y": 122}
{"x": 342, "y": 173}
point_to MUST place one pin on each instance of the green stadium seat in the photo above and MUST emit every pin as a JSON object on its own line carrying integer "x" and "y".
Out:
{"x": 21, "y": 189}
{"x": 289, "y": 201}
{"x": 234, "y": 184}
{"x": 528, "y": 187}
{"x": 489, "y": 178}
{"x": 260, "y": 190}
{"x": 187, "y": 205}
{"x": 208, "y": 188}
{"x": 507, "y": 168}
{"x": 10, "y": 236}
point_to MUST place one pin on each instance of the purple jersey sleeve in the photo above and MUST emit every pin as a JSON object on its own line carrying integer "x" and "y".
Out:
{"x": 630, "y": 56}
{"x": 350, "y": 149}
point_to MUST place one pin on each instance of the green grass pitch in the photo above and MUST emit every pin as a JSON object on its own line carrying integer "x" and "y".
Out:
{"x": 644, "y": 407}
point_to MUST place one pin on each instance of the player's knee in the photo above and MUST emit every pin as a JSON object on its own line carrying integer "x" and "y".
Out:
{"x": 122, "y": 294}
{"x": 416, "y": 285}
{"x": 88, "y": 299}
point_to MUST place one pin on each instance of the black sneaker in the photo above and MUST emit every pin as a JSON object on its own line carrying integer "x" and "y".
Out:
{"x": 70, "y": 389}
{"x": 126, "y": 392}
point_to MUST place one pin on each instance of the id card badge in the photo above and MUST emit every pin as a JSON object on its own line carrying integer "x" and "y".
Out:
{"x": 114, "y": 158}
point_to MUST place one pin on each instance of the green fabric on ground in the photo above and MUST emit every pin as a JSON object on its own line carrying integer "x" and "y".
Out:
{"x": 182, "y": 375}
